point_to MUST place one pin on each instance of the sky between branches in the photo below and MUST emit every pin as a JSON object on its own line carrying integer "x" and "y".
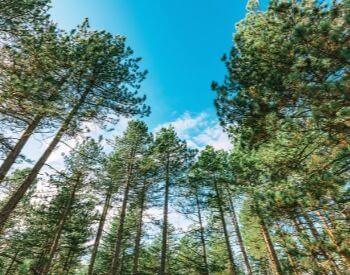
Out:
{"x": 181, "y": 43}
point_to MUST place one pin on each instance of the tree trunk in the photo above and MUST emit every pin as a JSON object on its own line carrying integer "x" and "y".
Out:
{"x": 274, "y": 262}
{"x": 238, "y": 233}
{"x": 118, "y": 243}
{"x": 99, "y": 231}
{"x": 16, "y": 150}
{"x": 163, "y": 259}
{"x": 18, "y": 195}
{"x": 316, "y": 236}
{"x": 59, "y": 228}
{"x": 224, "y": 227}
{"x": 329, "y": 231}
{"x": 201, "y": 230}
{"x": 285, "y": 245}
{"x": 135, "y": 268}
{"x": 312, "y": 251}
{"x": 13, "y": 260}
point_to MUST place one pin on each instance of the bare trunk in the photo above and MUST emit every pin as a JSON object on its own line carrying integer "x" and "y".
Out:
{"x": 201, "y": 229}
{"x": 29, "y": 180}
{"x": 135, "y": 268}
{"x": 325, "y": 253}
{"x": 312, "y": 251}
{"x": 118, "y": 243}
{"x": 274, "y": 262}
{"x": 163, "y": 259}
{"x": 99, "y": 231}
{"x": 224, "y": 227}
{"x": 345, "y": 257}
{"x": 238, "y": 233}
{"x": 16, "y": 150}
{"x": 59, "y": 228}
{"x": 285, "y": 245}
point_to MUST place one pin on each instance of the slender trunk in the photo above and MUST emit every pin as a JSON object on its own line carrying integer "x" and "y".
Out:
{"x": 163, "y": 259}
{"x": 59, "y": 228}
{"x": 99, "y": 231}
{"x": 13, "y": 260}
{"x": 224, "y": 227}
{"x": 312, "y": 250}
{"x": 118, "y": 243}
{"x": 201, "y": 230}
{"x": 238, "y": 233}
{"x": 291, "y": 261}
{"x": 240, "y": 241}
{"x": 285, "y": 245}
{"x": 18, "y": 195}
{"x": 345, "y": 257}
{"x": 274, "y": 262}
{"x": 135, "y": 268}
{"x": 324, "y": 252}
{"x": 16, "y": 150}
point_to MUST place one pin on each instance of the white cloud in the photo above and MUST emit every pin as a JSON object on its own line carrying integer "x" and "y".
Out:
{"x": 214, "y": 136}
{"x": 199, "y": 131}
{"x": 185, "y": 124}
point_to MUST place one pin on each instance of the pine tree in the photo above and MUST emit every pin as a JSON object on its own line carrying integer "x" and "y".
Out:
{"x": 130, "y": 151}
{"x": 101, "y": 91}
{"x": 210, "y": 166}
{"x": 171, "y": 156}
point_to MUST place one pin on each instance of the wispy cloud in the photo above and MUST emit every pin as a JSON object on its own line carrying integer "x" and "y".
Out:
{"x": 199, "y": 130}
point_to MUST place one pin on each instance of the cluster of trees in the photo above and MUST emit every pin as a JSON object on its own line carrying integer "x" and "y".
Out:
{"x": 285, "y": 102}
{"x": 278, "y": 203}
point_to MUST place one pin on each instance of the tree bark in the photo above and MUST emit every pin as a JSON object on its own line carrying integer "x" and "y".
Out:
{"x": 329, "y": 231}
{"x": 16, "y": 150}
{"x": 285, "y": 245}
{"x": 201, "y": 229}
{"x": 118, "y": 243}
{"x": 238, "y": 233}
{"x": 163, "y": 260}
{"x": 99, "y": 231}
{"x": 224, "y": 227}
{"x": 59, "y": 228}
{"x": 274, "y": 261}
{"x": 135, "y": 269}
{"x": 325, "y": 253}
{"x": 20, "y": 192}
{"x": 312, "y": 251}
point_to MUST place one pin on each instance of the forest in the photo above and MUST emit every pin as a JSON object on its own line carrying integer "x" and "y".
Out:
{"x": 276, "y": 203}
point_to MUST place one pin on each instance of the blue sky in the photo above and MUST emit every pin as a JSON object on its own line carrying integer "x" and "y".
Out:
{"x": 181, "y": 43}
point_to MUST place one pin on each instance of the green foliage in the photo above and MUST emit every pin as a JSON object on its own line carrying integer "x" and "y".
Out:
{"x": 284, "y": 103}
